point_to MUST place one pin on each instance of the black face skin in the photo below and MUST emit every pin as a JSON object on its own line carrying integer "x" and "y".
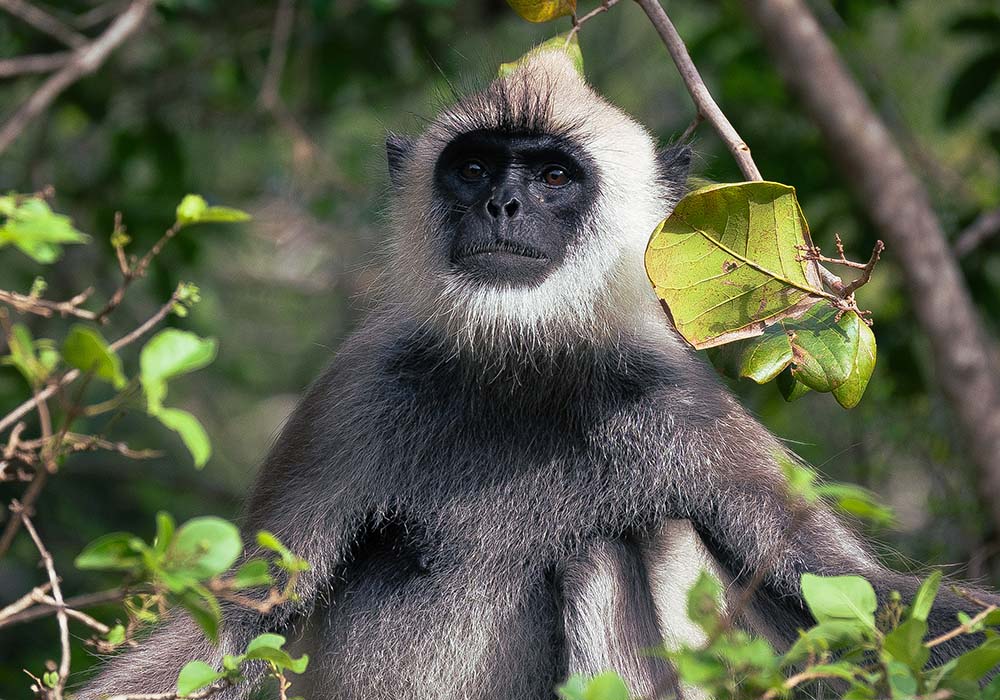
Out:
{"x": 515, "y": 203}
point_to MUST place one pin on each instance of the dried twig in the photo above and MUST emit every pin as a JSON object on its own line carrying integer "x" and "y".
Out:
{"x": 26, "y": 303}
{"x": 964, "y": 628}
{"x": 81, "y": 601}
{"x": 44, "y": 22}
{"x": 23, "y": 603}
{"x": 580, "y": 21}
{"x": 61, "y": 616}
{"x": 86, "y": 59}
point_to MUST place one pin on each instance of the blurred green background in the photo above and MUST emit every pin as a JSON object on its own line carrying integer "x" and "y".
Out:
{"x": 176, "y": 110}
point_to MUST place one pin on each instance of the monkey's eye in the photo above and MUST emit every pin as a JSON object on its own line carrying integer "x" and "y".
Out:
{"x": 472, "y": 170}
{"x": 555, "y": 176}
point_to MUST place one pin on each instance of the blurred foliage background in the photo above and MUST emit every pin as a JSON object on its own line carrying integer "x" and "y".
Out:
{"x": 177, "y": 110}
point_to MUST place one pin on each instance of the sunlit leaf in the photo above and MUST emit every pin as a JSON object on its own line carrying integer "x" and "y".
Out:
{"x": 205, "y": 547}
{"x": 840, "y": 598}
{"x": 170, "y": 353}
{"x": 191, "y": 431}
{"x": 725, "y": 262}
{"x": 85, "y": 349}
{"x": 543, "y": 10}
{"x": 556, "y": 43}
{"x": 194, "y": 676}
{"x": 114, "y": 551}
{"x": 30, "y": 225}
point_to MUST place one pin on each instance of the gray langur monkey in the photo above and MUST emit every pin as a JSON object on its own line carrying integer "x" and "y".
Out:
{"x": 514, "y": 469}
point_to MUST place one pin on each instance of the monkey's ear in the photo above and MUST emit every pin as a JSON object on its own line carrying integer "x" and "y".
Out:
{"x": 675, "y": 163}
{"x": 397, "y": 151}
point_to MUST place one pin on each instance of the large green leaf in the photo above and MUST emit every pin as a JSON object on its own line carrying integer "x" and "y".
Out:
{"x": 726, "y": 265}
{"x": 30, "y": 225}
{"x": 192, "y": 433}
{"x": 206, "y": 547}
{"x": 196, "y": 675}
{"x": 821, "y": 353}
{"x": 170, "y": 353}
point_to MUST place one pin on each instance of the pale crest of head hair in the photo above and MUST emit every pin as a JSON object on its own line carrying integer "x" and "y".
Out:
{"x": 600, "y": 293}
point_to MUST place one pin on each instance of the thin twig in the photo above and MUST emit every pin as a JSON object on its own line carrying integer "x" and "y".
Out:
{"x": 72, "y": 375}
{"x": 703, "y": 100}
{"x": 61, "y": 616}
{"x": 199, "y": 695}
{"x": 23, "y": 603}
{"x": 964, "y": 628}
{"x": 86, "y": 59}
{"x": 83, "y": 617}
{"x": 580, "y": 21}
{"x": 25, "y": 303}
{"x": 44, "y": 22}
{"x": 81, "y": 601}
{"x": 27, "y": 65}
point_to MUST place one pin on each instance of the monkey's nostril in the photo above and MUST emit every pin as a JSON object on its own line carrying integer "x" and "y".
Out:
{"x": 511, "y": 208}
{"x": 493, "y": 208}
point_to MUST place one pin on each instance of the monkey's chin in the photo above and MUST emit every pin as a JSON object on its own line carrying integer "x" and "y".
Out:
{"x": 503, "y": 268}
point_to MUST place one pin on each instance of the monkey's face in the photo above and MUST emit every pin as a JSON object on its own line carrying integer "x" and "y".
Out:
{"x": 514, "y": 203}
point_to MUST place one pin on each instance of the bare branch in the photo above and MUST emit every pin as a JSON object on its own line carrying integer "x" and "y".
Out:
{"x": 703, "y": 100}
{"x": 25, "y": 303}
{"x": 580, "y": 21}
{"x": 23, "y": 603}
{"x": 978, "y": 232}
{"x": 86, "y": 59}
{"x": 82, "y": 601}
{"x": 44, "y": 22}
{"x": 74, "y": 374}
{"x": 27, "y": 65}
{"x": 61, "y": 615}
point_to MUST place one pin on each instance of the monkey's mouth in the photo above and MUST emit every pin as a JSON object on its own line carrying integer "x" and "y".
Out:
{"x": 501, "y": 262}
{"x": 499, "y": 249}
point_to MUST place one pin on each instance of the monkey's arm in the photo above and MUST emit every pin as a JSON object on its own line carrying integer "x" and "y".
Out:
{"x": 740, "y": 506}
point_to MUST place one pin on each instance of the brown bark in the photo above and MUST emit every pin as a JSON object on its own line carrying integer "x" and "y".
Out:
{"x": 898, "y": 204}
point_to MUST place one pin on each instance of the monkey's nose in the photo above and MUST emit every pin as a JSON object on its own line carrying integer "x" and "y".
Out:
{"x": 510, "y": 208}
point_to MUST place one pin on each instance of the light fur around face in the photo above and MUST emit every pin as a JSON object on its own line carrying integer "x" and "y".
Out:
{"x": 600, "y": 293}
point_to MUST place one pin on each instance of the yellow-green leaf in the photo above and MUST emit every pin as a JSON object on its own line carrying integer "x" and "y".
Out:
{"x": 191, "y": 431}
{"x": 726, "y": 262}
{"x": 85, "y": 349}
{"x": 543, "y": 10}
{"x": 31, "y": 226}
{"x": 561, "y": 42}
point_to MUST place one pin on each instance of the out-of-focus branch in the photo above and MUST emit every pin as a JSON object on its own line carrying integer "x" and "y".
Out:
{"x": 978, "y": 232}
{"x": 26, "y": 65}
{"x": 898, "y": 204}
{"x": 44, "y": 22}
{"x": 703, "y": 100}
{"x": 284, "y": 19}
{"x": 86, "y": 59}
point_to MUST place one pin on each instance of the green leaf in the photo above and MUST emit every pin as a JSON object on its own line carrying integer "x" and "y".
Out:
{"x": 191, "y": 431}
{"x": 194, "y": 676}
{"x": 33, "y": 228}
{"x": 34, "y": 359}
{"x": 726, "y": 265}
{"x": 193, "y": 209}
{"x": 168, "y": 354}
{"x": 840, "y": 598}
{"x": 556, "y": 43}
{"x": 268, "y": 648}
{"x": 543, "y": 10}
{"x": 607, "y": 686}
{"x": 703, "y": 602}
{"x": 255, "y": 572}
{"x": 114, "y": 551}
{"x": 791, "y": 388}
{"x": 850, "y": 392}
{"x": 857, "y": 502}
{"x": 50, "y": 679}
{"x": 202, "y": 606}
{"x": 116, "y": 635}
{"x": 923, "y": 601}
{"x": 974, "y": 665}
{"x": 205, "y": 547}
{"x": 833, "y": 635}
{"x": 905, "y": 644}
{"x": 85, "y": 349}
{"x": 164, "y": 531}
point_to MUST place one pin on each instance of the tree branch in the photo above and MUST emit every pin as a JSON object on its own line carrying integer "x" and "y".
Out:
{"x": 703, "y": 100}
{"x": 26, "y": 65}
{"x": 86, "y": 59}
{"x": 44, "y": 22}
